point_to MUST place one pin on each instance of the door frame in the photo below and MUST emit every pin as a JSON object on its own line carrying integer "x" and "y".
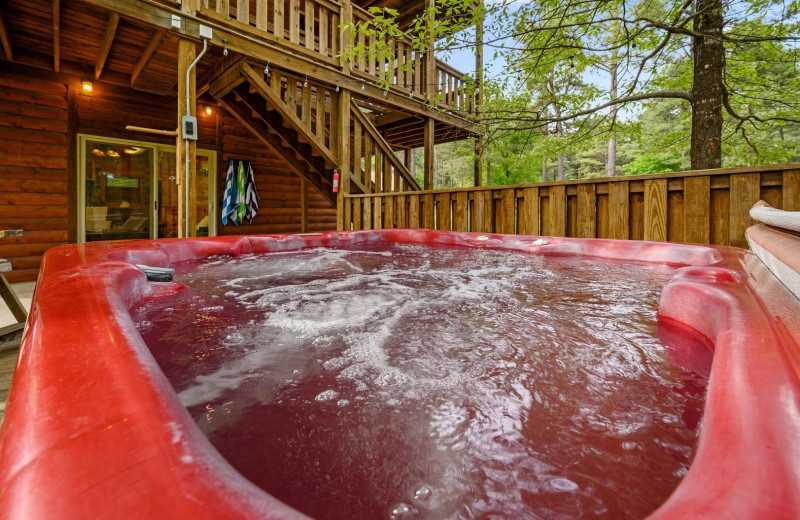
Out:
{"x": 154, "y": 200}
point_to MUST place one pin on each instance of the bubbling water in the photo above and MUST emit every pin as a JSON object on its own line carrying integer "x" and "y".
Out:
{"x": 412, "y": 381}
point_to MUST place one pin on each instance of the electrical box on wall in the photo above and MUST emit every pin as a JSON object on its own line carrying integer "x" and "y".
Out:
{"x": 189, "y": 128}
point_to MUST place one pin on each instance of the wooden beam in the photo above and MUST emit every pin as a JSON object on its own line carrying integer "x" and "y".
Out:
{"x": 342, "y": 138}
{"x": 303, "y": 206}
{"x": 186, "y": 54}
{"x": 56, "y": 32}
{"x": 147, "y": 55}
{"x": 5, "y": 37}
{"x": 108, "y": 39}
{"x": 429, "y": 155}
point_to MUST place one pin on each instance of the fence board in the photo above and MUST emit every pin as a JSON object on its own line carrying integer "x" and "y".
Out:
{"x": 655, "y": 210}
{"x": 744, "y": 193}
{"x": 506, "y": 212}
{"x": 427, "y": 211}
{"x": 377, "y": 212}
{"x": 587, "y": 211}
{"x": 460, "y": 220}
{"x": 618, "y": 226}
{"x": 388, "y": 213}
{"x": 696, "y": 209}
{"x": 529, "y": 212}
{"x": 357, "y": 225}
{"x": 443, "y": 211}
{"x": 400, "y": 211}
{"x": 413, "y": 211}
{"x": 791, "y": 190}
{"x": 557, "y": 211}
{"x": 366, "y": 214}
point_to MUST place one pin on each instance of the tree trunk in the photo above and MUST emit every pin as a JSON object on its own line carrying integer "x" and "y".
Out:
{"x": 544, "y": 170}
{"x": 488, "y": 173}
{"x": 709, "y": 63}
{"x": 611, "y": 160}
{"x": 560, "y": 134}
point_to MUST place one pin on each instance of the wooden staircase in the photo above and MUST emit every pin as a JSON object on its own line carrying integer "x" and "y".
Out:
{"x": 297, "y": 118}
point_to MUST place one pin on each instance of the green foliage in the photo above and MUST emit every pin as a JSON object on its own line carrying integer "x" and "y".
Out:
{"x": 559, "y": 56}
{"x": 649, "y": 164}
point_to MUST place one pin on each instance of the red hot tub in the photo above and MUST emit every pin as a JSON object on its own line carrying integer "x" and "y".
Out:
{"x": 93, "y": 428}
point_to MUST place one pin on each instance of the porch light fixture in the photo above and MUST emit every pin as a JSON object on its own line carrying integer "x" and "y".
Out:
{"x": 86, "y": 85}
{"x": 207, "y": 109}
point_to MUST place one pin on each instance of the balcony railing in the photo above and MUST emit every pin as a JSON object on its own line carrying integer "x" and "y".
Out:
{"x": 312, "y": 28}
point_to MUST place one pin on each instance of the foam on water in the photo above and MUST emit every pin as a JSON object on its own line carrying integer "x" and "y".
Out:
{"x": 433, "y": 383}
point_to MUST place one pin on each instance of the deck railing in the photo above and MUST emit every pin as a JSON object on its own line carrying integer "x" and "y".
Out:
{"x": 710, "y": 206}
{"x": 313, "y": 28}
{"x": 309, "y": 27}
{"x": 374, "y": 164}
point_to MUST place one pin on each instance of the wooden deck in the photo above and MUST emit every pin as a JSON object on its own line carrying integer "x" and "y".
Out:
{"x": 8, "y": 360}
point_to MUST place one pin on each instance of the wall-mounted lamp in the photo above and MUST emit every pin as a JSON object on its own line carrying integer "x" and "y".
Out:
{"x": 86, "y": 85}
{"x": 207, "y": 110}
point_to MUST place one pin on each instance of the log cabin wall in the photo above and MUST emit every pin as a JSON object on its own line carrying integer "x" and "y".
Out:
{"x": 33, "y": 169}
{"x": 41, "y": 115}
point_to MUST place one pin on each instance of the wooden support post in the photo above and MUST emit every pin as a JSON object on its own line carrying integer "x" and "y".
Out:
{"x": 429, "y": 63}
{"x": 108, "y": 39}
{"x": 342, "y": 135}
{"x": 56, "y": 32}
{"x": 5, "y": 38}
{"x": 186, "y": 54}
{"x": 346, "y": 41}
{"x": 428, "y": 167}
{"x": 303, "y": 206}
{"x": 478, "y": 173}
{"x": 408, "y": 159}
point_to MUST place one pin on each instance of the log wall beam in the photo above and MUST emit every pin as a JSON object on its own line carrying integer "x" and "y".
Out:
{"x": 56, "y": 33}
{"x": 5, "y": 38}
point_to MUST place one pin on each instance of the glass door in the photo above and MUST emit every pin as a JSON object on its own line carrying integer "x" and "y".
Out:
{"x": 168, "y": 194}
{"x": 128, "y": 190}
{"x": 117, "y": 197}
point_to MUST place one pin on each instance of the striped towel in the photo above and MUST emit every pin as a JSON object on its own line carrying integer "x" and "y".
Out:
{"x": 229, "y": 199}
{"x": 251, "y": 196}
{"x": 241, "y": 205}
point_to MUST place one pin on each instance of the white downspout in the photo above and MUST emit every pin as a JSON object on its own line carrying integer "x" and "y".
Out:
{"x": 186, "y": 141}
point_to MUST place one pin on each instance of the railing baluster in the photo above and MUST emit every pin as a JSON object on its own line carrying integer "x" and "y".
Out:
{"x": 323, "y": 31}
{"x": 309, "y": 25}
{"x": 262, "y": 10}
{"x": 243, "y": 11}
{"x": 223, "y": 7}
{"x": 278, "y": 18}
{"x": 294, "y": 21}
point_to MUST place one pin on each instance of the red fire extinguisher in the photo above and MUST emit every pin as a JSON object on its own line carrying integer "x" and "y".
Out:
{"x": 336, "y": 180}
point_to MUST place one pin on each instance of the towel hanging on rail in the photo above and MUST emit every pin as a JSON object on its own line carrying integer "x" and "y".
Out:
{"x": 240, "y": 200}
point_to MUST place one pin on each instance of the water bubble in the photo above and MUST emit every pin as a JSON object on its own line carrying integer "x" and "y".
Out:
{"x": 327, "y": 395}
{"x": 342, "y": 402}
{"x": 628, "y": 446}
{"x": 423, "y": 493}
{"x": 401, "y": 511}
{"x": 563, "y": 484}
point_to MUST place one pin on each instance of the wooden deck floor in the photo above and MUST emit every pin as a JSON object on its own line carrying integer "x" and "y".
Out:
{"x": 8, "y": 360}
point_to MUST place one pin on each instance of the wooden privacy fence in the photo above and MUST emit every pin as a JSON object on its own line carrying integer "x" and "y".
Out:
{"x": 709, "y": 206}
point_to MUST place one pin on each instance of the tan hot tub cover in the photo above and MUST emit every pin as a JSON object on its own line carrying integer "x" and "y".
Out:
{"x": 776, "y": 241}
